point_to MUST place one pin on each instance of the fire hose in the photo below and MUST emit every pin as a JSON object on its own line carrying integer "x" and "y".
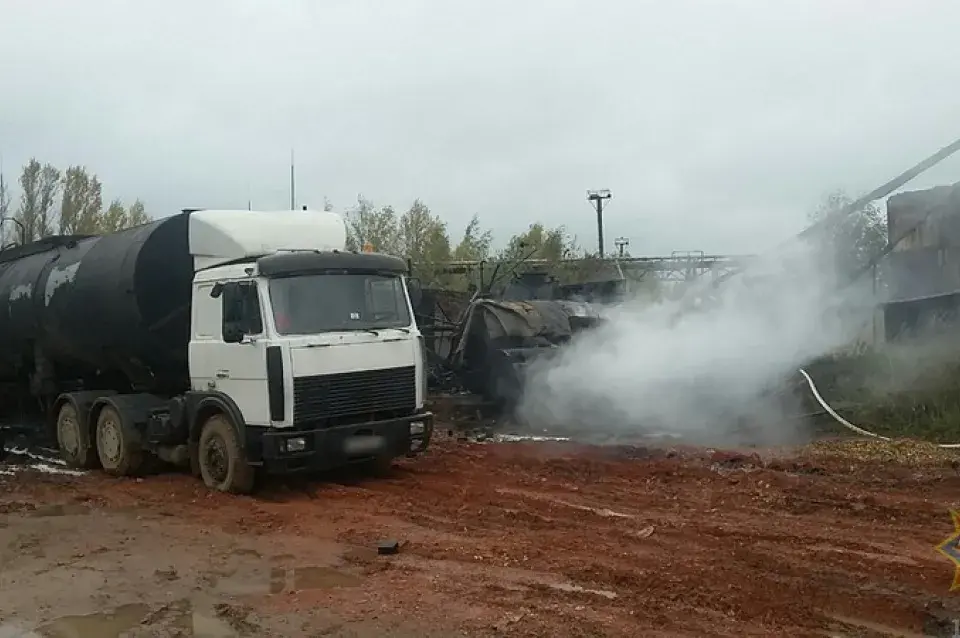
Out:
{"x": 850, "y": 426}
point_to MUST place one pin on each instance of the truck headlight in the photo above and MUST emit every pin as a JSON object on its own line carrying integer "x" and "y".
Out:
{"x": 295, "y": 444}
{"x": 416, "y": 428}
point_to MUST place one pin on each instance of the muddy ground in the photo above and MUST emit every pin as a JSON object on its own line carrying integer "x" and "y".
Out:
{"x": 500, "y": 539}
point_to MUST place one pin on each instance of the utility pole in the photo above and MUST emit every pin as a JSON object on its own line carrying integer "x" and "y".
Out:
{"x": 597, "y": 198}
{"x": 293, "y": 184}
{"x": 621, "y": 243}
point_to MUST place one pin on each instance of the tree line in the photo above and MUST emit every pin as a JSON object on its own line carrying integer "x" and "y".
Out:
{"x": 420, "y": 235}
{"x": 70, "y": 202}
{"x": 55, "y": 202}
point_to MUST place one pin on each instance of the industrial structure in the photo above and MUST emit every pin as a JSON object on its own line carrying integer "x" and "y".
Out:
{"x": 680, "y": 265}
{"x": 921, "y": 273}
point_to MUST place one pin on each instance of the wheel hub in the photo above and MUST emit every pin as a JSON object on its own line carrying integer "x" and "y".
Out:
{"x": 69, "y": 436}
{"x": 215, "y": 454}
{"x": 108, "y": 439}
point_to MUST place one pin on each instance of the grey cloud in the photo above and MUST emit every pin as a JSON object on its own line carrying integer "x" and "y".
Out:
{"x": 717, "y": 125}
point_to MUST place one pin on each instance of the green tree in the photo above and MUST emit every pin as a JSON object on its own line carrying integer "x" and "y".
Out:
{"x": 367, "y": 224}
{"x": 80, "y": 210}
{"x": 39, "y": 186}
{"x": 117, "y": 217}
{"x": 540, "y": 242}
{"x": 81, "y": 207}
{"x": 851, "y": 241}
{"x": 475, "y": 243}
{"x": 114, "y": 218}
{"x": 137, "y": 214}
{"x": 422, "y": 238}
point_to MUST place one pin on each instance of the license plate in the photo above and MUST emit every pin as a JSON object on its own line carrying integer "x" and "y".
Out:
{"x": 363, "y": 444}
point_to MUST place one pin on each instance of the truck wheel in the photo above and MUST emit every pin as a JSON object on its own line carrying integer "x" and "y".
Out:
{"x": 223, "y": 464}
{"x": 73, "y": 439}
{"x": 119, "y": 456}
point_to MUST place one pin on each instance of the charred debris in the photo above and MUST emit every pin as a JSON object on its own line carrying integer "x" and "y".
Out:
{"x": 480, "y": 342}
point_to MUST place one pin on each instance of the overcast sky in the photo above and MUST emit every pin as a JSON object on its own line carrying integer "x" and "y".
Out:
{"x": 717, "y": 125}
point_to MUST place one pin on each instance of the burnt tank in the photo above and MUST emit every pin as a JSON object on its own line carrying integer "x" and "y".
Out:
{"x": 83, "y": 307}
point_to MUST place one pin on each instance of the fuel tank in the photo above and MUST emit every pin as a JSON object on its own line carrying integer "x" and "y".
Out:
{"x": 118, "y": 303}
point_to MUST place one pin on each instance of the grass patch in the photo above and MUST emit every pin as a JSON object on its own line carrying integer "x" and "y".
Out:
{"x": 908, "y": 390}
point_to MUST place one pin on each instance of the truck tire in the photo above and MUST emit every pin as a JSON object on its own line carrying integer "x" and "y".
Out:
{"x": 119, "y": 455}
{"x": 73, "y": 439}
{"x": 223, "y": 463}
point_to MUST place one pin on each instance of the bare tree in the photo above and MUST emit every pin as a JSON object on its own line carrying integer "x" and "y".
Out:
{"x": 855, "y": 239}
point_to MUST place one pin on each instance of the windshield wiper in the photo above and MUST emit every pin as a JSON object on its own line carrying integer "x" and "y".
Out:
{"x": 377, "y": 331}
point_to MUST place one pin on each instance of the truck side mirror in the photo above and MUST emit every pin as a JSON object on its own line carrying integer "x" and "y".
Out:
{"x": 217, "y": 290}
{"x": 415, "y": 288}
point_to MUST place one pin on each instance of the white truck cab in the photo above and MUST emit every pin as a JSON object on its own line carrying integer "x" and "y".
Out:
{"x": 315, "y": 347}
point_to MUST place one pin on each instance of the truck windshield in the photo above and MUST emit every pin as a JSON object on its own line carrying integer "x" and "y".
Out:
{"x": 308, "y": 304}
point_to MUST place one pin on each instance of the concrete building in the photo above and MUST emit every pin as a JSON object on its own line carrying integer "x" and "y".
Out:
{"x": 921, "y": 274}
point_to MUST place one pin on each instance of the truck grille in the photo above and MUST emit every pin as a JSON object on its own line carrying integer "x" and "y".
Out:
{"x": 333, "y": 399}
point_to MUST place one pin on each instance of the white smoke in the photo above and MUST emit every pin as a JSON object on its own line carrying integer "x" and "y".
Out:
{"x": 701, "y": 367}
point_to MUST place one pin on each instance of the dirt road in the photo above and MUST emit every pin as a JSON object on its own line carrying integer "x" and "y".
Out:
{"x": 526, "y": 539}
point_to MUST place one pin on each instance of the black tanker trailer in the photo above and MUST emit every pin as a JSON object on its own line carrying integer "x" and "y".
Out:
{"x": 95, "y": 333}
{"x": 87, "y": 312}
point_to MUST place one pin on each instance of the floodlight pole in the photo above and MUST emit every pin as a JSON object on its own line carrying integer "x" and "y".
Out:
{"x": 597, "y": 197}
{"x": 621, "y": 243}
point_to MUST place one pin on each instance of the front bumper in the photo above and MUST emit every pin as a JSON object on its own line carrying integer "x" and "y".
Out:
{"x": 334, "y": 447}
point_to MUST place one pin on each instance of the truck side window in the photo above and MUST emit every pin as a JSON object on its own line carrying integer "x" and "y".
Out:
{"x": 382, "y": 298}
{"x": 241, "y": 308}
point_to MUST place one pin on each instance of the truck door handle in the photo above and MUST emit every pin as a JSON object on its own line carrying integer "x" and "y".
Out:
{"x": 223, "y": 374}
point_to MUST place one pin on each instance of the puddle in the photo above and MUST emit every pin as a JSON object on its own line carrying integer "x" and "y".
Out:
{"x": 101, "y": 625}
{"x": 53, "y": 469}
{"x": 49, "y": 458}
{"x": 205, "y": 626}
{"x": 301, "y": 578}
{"x": 20, "y": 458}
{"x": 13, "y": 630}
{"x": 522, "y": 438}
{"x": 179, "y": 618}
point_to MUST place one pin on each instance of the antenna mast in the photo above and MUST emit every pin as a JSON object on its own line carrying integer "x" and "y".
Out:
{"x": 293, "y": 184}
